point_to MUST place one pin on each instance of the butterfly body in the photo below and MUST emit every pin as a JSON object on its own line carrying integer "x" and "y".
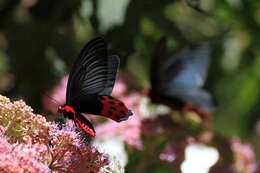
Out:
{"x": 90, "y": 84}
{"x": 89, "y": 103}
{"x": 159, "y": 98}
{"x": 67, "y": 111}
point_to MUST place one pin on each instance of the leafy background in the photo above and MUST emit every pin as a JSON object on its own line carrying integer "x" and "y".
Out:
{"x": 40, "y": 39}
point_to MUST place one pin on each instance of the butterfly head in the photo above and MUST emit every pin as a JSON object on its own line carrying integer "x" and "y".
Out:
{"x": 67, "y": 111}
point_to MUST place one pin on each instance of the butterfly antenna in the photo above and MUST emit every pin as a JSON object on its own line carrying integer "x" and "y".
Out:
{"x": 52, "y": 99}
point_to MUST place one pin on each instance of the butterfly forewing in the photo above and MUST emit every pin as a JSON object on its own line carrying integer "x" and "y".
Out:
{"x": 179, "y": 78}
{"x": 188, "y": 68}
{"x": 90, "y": 71}
{"x": 113, "y": 64}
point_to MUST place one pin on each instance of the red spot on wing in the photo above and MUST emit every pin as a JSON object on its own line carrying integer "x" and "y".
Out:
{"x": 114, "y": 109}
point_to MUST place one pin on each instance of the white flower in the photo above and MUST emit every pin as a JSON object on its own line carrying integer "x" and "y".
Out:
{"x": 149, "y": 110}
{"x": 115, "y": 148}
{"x": 199, "y": 158}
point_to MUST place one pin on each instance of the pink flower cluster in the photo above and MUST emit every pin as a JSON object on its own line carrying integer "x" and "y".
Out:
{"x": 20, "y": 158}
{"x": 20, "y": 123}
{"x": 70, "y": 153}
{"x": 29, "y": 143}
{"x": 244, "y": 157}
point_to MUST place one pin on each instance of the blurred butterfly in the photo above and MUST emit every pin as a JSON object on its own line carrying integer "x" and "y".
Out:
{"x": 90, "y": 84}
{"x": 177, "y": 80}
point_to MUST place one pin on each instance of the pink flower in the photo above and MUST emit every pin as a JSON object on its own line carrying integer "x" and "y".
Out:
{"x": 29, "y": 143}
{"x": 68, "y": 152}
{"x": 130, "y": 130}
{"x": 159, "y": 125}
{"x": 19, "y": 158}
{"x": 171, "y": 151}
{"x": 244, "y": 155}
{"x": 20, "y": 123}
{"x": 120, "y": 87}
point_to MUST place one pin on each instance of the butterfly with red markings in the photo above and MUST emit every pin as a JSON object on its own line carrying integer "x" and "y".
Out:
{"x": 90, "y": 84}
{"x": 177, "y": 80}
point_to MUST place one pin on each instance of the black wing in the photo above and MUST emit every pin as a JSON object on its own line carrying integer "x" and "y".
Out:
{"x": 181, "y": 76}
{"x": 186, "y": 69}
{"x": 185, "y": 74}
{"x": 93, "y": 72}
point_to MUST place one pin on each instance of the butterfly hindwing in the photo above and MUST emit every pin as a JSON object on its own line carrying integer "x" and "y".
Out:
{"x": 84, "y": 124}
{"x": 114, "y": 109}
{"x": 103, "y": 105}
{"x": 197, "y": 97}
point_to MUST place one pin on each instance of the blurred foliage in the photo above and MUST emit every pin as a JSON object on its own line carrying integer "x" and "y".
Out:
{"x": 40, "y": 39}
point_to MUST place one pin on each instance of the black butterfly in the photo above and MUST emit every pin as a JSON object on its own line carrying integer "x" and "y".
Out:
{"x": 90, "y": 84}
{"x": 177, "y": 80}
